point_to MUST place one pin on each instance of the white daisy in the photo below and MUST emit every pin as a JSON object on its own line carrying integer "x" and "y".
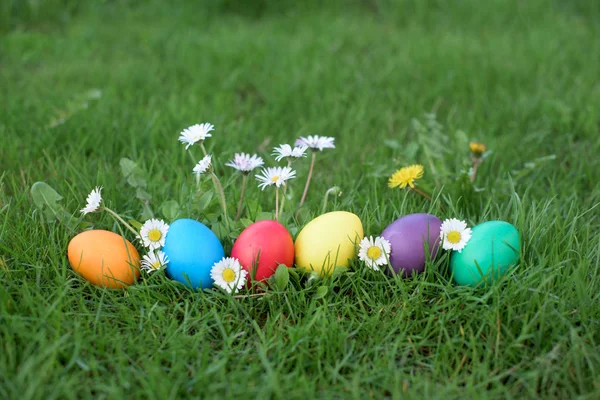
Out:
{"x": 196, "y": 133}
{"x": 153, "y": 233}
{"x": 245, "y": 163}
{"x": 153, "y": 261}
{"x": 203, "y": 165}
{"x": 275, "y": 176}
{"x": 316, "y": 142}
{"x": 286, "y": 151}
{"x": 94, "y": 200}
{"x": 454, "y": 234}
{"x": 228, "y": 274}
{"x": 374, "y": 252}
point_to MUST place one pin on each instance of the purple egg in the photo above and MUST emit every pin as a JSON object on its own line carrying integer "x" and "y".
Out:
{"x": 409, "y": 237}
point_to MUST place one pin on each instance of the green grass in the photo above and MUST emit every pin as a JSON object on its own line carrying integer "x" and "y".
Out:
{"x": 520, "y": 76}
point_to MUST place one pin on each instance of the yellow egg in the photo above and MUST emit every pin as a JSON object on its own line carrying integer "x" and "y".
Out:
{"x": 104, "y": 259}
{"x": 328, "y": 241}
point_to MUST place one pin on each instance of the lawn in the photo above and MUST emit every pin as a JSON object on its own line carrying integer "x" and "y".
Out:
{"x": 396, "y": 83}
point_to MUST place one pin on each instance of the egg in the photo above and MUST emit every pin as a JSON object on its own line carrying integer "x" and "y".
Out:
{"x": 328, "y": 241}
{"x": 264, "y": 245}
{"x": 493, "y": 249}
{"x": 104, "y": 259}
{"x": 192, "y": 249}
{"x": 409, "y": 236}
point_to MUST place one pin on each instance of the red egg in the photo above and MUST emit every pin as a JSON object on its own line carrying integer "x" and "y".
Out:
{"x": 265, "y": 244}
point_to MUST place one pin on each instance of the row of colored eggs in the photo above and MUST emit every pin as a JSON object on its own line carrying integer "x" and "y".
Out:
{"x": 106, "y": 259}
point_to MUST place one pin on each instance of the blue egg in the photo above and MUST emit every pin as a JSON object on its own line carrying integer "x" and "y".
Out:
{"x": 192, "y": 249}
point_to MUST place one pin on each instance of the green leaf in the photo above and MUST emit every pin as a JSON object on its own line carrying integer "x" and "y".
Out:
{"x": 133, "y": 173}
{"x": 128, "y": 167}
{"x": 204, "y": 200}
{"x": 136, "y": 181}
{"x": 136, "y": 224}
{"x": 44, "y": 197}
{"x": 50, "y": 216}
{"x": 212, "y": 217}
{"x": 84, "y": 225}
{"x": 313, "y": 278}
{"x": 142, "y": 194}
{"x": 264, "y": 216}
{"x": 321, "y": 292}
{"x": 338, "y": 271}
{"x": 253, "y": 206}
{"x": 246, "y": 222}
{"x": 282, "y": 277}
{"x": 170, "y": 209}
{"x": 293, "y": 272}
{"x": 69, "y": 220}
{"x": 219, "y": 230}
{"x": 147, "y": 212}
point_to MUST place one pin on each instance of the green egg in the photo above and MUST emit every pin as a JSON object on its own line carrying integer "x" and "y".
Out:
{"x": 493, "y": 249}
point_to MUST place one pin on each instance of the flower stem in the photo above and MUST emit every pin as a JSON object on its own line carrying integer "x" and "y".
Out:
{"x": 121, "y": 220}
{"x": 332, "y": 190}
{"x": 310, "y": 172}
{"x": 192, "y": 156}
{"x": 414, "y": 189}
{"x": 277, "y": 204}
{"x": 203, "y": 148}
{"x": 221, "y": 193}
{"x": 284, "y": 189}
{"x": 476, "y": 162}
{"x": 240, "y": 204}
{"x": 197, "y": 175}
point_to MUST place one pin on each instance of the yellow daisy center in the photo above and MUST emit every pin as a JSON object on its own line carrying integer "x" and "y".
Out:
{"x": 374, "y": 252}
{"x": 275, "y": 178}
{"x": 156, "y": 265}
{"x": 228, "y": 275}
{"x": 155, "y": 235}
{"x": 454, "y": 237}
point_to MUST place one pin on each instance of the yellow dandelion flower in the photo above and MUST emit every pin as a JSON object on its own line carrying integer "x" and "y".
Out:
{"x": 477, "y": 148}
{"x": 406, "y": 176}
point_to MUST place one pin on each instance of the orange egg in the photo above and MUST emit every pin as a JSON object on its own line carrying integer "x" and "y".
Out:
{"x": 104, "y": 259}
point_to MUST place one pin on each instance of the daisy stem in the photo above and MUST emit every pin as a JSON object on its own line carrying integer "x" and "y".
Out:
{"x": 240, "y": 204}
{"x": 277, "y": 204}
{"x": 121, "y": 220}
{"x": 335, "y": 190}
{"x": 192, "y": 156}
{"x": 310, "y": 172}
{"x": 219, "y": 189}
{"x": 197, "y": 175}
{"x": 203, "y": 149}
{"x": 428, "y": 197}
{"x": 284, "y": 189}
